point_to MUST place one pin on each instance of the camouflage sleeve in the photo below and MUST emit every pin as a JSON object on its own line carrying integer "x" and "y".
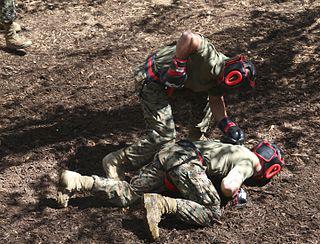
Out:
{"x": 245, "y": 169}
{"x": 241, "y": 171}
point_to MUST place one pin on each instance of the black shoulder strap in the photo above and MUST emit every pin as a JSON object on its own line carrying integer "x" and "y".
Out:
{"x": 190, "y": 145}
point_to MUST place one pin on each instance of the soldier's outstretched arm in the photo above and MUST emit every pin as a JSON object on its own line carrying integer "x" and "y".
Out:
{"x": 217, "y": 107}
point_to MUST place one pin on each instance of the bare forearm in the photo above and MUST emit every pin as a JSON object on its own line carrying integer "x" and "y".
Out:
{"x": 218, "y": 108}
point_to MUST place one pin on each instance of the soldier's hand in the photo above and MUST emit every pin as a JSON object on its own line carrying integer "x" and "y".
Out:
{"x": 176, "y": 74}
{"x": 239, "y": 199}
{"x": 232, "y": 133}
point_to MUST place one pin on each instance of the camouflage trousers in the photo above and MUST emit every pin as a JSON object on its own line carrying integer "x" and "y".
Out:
{"x": 158, "y": 117}
{"x": 199, "y": 202}
{"x": 7, "y": 11}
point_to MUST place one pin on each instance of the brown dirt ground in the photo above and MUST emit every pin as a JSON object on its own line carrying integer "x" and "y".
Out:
{"x": 69, "y": 101}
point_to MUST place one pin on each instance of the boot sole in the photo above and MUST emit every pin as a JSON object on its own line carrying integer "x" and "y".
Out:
{"x": 63, "y": 194}
{"x": 19, "y": 47}
{"x": 63, "y": 197}
{"x": 3, "y": 31}
{"x": 149, "y": 209}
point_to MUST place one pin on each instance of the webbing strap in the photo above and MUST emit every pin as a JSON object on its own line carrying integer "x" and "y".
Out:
{"x": 190, "y": 144}
{"x": 153, "y": 74}
{"x": 150, "y": 68}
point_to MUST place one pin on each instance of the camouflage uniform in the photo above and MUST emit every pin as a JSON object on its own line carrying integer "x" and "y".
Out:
{"x": 198, "y": 183}
{"x": 8, "y": 11}
{"x": 203, "y": 69}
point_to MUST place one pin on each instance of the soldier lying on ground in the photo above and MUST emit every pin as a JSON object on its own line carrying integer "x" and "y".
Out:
{"x": 195, "y": 64}
{"x": 205, "y": 174}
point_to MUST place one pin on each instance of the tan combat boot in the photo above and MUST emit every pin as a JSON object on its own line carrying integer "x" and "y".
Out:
{"x": 155, "y": 206}
{"x": 15, "y": 26}
{"x": 71, "y": 182}
{"x": 14, "y": 40}
{"x": 114, "y": 163}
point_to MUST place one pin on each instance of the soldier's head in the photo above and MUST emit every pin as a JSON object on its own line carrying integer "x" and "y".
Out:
{"x": 238, "y": 74}
{"x": 271, "y": 160}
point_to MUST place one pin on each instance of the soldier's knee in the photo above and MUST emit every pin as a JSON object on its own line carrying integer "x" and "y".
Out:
{"x": 169, "y": 139}
{"x": 115, "y": 158}
{"x": 162, "y": 138}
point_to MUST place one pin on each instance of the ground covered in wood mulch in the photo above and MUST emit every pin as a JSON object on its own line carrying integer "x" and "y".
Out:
{"x": 69, "y": 100}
